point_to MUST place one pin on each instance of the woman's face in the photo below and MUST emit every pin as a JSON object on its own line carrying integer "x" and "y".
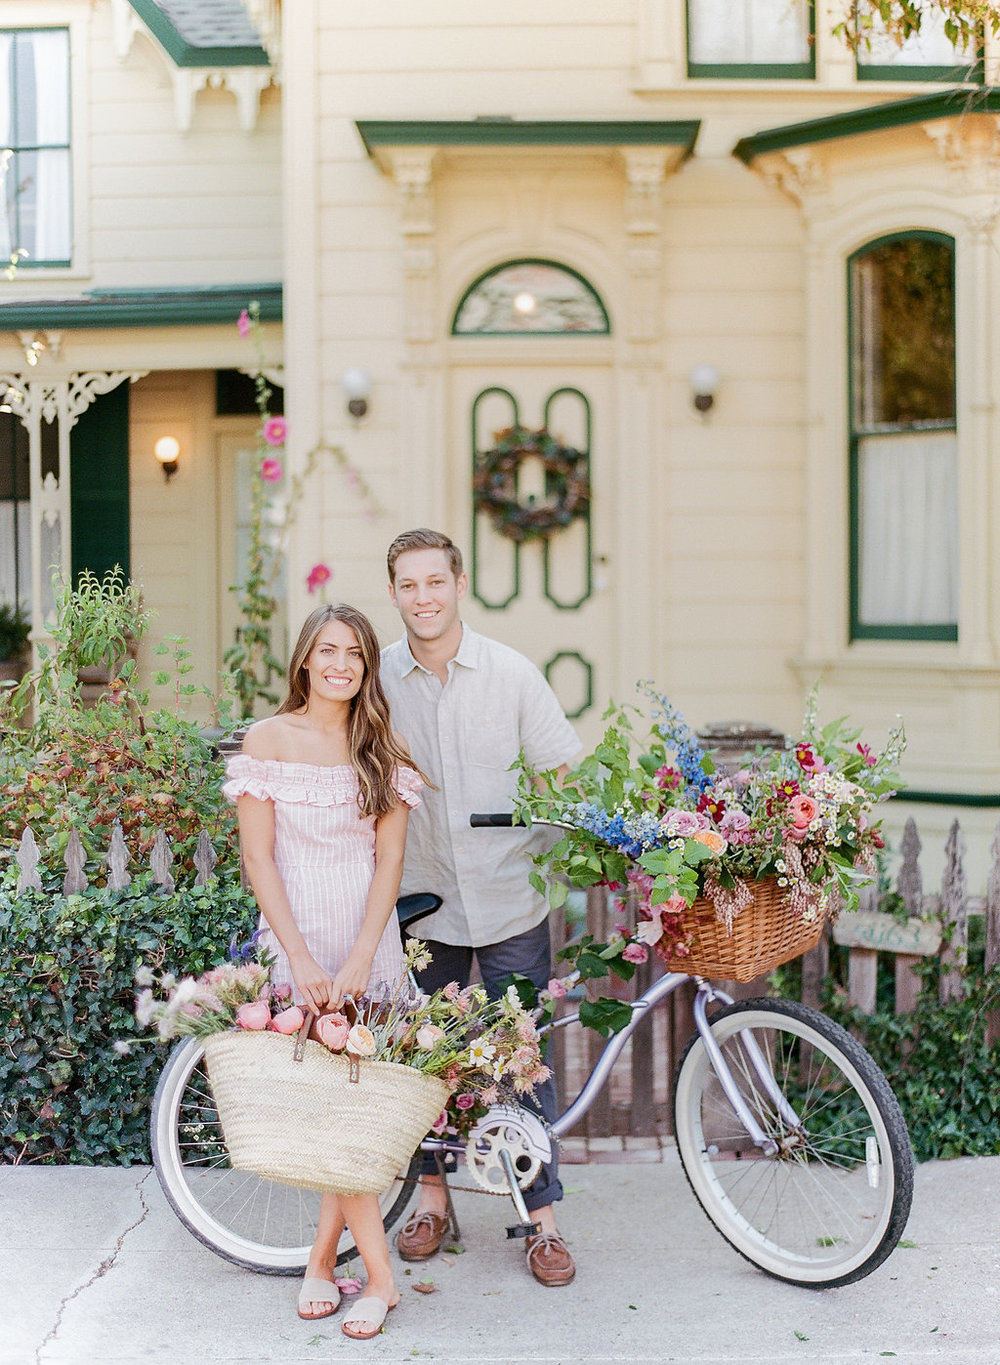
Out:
{"x": 335, "y": 668}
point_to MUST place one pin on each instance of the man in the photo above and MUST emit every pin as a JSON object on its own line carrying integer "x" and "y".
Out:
{"x": 467, "y": 705}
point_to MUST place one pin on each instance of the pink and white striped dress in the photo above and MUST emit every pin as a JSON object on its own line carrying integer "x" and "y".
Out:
{"x": 324, "y": 850}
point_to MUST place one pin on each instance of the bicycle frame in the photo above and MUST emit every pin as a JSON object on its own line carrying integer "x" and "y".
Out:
{"x": 658, "y": 991}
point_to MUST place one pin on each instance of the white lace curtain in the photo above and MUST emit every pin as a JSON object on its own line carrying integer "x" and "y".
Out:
{"x": 930, "y": 47}
{"x": 731, "y": 32}
{"x": 42, "y": 121}
{"x": 908, "y": 532}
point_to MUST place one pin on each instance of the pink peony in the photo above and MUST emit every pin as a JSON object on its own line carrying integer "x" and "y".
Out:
{"x": 272, "y": 471}
{"x": 465, "y": 1101}
{"x": 318, "y": 575}
{"x": 333, "y": 1030}
{"x": 254, "y": 1016}
{"x": 288, "y": 1021}
{"x": 556, "y": 989}
{"x": 636, "y": 952}
{"x": 243, "y": 324}
{"x": 275, "y": 431}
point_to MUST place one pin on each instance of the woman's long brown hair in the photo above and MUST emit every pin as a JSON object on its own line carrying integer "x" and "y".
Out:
{"x": 374, "y": 750}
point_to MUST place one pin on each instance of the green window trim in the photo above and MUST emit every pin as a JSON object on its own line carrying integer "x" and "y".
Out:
{"x": 945, "y": 631}
{"x": 974, "y": 74}
{"x": 531, "y": 260}
{"x": 515, "y": 548}
{"x": 761, "y": 71}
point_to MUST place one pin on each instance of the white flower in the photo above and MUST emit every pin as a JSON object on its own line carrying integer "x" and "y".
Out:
{"x": 144, "y": 976}
{"x": 145, "y": 1008}
{"x": 650, "y": 931}
{"x": 513, "y": 996}
{"x": 168, "y": 981}
{"x": 497, "y": 1069}
{"x": 186, "y": 991}
{"x": 122, "y": 1047}
{"x": 481, "y": 1051}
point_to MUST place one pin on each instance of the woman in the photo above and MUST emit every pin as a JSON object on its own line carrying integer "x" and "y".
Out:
{"x": 323, "y": 789}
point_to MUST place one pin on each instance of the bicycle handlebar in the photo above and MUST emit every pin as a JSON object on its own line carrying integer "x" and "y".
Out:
{"x": 493, "y": 820}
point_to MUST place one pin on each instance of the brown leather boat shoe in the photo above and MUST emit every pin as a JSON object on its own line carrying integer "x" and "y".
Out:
{"x": 420, "y": 1236}
{"x": 549, "y": 1259}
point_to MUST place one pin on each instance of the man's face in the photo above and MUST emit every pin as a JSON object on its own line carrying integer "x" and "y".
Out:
{"x": 426, "y": 593}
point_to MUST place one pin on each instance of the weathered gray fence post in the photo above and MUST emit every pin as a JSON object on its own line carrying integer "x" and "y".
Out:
{"x": 27, "y": 861}
{"x": 954, "y": 913}
{"x": 118, "y": 875}
{"x": 160, "y": 860}
{"x": 992, "y": 912}
{"x": 909, "y": 884}
{"x": 862, "y": 963}
{"x": 75, "y": 861}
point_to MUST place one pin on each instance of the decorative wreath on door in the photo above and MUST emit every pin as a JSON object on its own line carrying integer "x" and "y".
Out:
{"x": 494, "y": 484}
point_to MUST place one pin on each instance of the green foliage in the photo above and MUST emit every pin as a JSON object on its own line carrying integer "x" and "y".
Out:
{"x": 67, "y": 983}
{"x": 964, "y": 20}
{"x": 937, "y": 1061}
{"x": 97, "y": 621}
{"x": 85, "y": 768}
{"x": 15, "y": 627}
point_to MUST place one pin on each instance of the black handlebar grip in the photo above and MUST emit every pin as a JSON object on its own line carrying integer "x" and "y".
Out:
{"x": 493, "y": 820}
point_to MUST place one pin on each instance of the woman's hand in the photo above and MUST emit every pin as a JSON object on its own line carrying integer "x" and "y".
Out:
{"x": 312, "y": 983}
{"x": 352, "y": 979}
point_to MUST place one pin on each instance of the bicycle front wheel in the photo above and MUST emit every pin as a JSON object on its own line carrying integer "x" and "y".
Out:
{"x": 242, "y": 1217}
{"x": 830, "y": 1202}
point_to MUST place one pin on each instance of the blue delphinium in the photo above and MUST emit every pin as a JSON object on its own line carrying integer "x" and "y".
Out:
{"x": 674, "y": 730}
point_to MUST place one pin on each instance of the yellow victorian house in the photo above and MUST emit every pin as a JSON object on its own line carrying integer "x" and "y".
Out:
{"x": 744, "y": 282}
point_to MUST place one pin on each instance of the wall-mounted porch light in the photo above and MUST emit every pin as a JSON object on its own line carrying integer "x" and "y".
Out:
{"x": 704, "y": 381}
{"x": 167, "y": 450}
{"x": 357, "y": 386}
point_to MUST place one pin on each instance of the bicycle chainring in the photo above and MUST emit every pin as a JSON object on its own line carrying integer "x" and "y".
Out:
{"x": 482, "y": 1156}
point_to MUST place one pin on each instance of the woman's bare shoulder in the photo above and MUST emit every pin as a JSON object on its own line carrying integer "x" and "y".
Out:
{"x": 269, "y": 738}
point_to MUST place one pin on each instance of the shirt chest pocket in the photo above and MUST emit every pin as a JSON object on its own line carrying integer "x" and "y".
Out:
{"x": 489, "y": 744}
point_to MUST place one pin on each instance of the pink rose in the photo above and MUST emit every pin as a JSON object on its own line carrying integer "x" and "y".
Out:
{"x": 735, "y": 826}
{"x": 465, "y": 1101}
{"x": 243, "y": 324}
{"x": 275, "y": 431}
{"x": 256, "y": 1015}
{"x": 556, "y": 989}
{"x": 440, "y": 1123}
{"x": 428, "y": 1036}
{"x": 636, "y": 952}
{"x": 333, "y": 1030}
{"x": 288, "y": 1021}
{"x": 804, "y": 811}
{"x": 271, "y": 471}
{"x": 281, "y": 992}
{"x": 349, "y": 1285}
{"x": 361, "y": 1041}
{"x": 681, "y": 824}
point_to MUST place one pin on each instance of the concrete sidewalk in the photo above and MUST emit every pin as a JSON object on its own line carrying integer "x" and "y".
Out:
{"x": 95, "y": 1269}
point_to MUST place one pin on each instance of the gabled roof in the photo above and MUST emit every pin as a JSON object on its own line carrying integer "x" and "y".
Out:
{"x": 204, "y": 32}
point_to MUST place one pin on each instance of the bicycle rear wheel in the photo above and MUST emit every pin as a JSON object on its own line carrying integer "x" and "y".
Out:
{"x": 832, "y": 1203}
{"x": 242, "y": 1217}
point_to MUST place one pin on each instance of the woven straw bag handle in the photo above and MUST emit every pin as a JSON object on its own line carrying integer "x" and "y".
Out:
{"x": 302, "y": 1037}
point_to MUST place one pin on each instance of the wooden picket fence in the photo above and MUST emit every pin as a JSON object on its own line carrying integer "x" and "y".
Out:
{"x": 635, "y": 1101}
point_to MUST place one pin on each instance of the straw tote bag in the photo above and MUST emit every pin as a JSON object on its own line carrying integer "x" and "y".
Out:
{"x": 295, "y": 1112}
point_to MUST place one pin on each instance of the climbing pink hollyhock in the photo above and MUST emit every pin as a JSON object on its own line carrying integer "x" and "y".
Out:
{"x": 318, "y": 575}
{"x": 271, "y": 471}
{"x": 243, "y": 323}
{"x": 275, "y": 431}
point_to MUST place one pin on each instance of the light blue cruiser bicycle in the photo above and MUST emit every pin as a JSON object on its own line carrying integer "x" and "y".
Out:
{"x": 788, "y": 1133}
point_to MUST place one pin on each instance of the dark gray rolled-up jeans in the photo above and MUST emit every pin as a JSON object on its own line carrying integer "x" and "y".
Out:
{"x": 530, "y": 954}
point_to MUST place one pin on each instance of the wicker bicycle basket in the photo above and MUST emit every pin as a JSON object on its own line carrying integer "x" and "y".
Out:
{"x": 306, "y": 1123}
{"x": 764, "y": 935}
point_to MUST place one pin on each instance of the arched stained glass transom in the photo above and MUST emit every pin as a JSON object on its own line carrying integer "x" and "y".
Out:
{"x": 530, "y": 298}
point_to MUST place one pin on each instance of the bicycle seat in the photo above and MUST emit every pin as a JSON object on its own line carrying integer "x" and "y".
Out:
{"x": 415, "y": 907}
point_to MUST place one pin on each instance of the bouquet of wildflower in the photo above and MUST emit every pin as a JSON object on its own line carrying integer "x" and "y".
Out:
{"x": 485, "y": 1051}
{"x": 668, "y": 828}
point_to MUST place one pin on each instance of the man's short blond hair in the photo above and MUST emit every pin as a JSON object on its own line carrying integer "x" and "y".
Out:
{"x": 423, "y": 539}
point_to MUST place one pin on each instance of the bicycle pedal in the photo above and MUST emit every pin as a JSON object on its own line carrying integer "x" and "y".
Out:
{"x": 523, "y": 1230}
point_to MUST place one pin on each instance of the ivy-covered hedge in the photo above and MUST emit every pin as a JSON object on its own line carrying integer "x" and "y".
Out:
{"x": 76, "y": 1074}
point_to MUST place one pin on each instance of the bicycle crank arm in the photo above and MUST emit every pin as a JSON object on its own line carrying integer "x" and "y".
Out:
{"x": 526, "y": 1228}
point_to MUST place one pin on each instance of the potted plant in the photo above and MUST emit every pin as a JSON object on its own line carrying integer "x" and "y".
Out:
{"x": 15, "y": 628}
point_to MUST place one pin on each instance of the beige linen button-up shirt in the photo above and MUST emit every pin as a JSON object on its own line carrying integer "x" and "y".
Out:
{"x": 465, "y": 735}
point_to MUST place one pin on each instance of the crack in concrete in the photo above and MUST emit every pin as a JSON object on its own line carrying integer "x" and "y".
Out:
{"x": 99, "y": 1273}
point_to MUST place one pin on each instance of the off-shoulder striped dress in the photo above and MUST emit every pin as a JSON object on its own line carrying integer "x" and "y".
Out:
{"x": 324, "y": 850}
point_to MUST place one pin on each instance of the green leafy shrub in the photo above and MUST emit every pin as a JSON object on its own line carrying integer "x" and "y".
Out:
{"x": 69, "y": 1090}
{"x": 936, "y": 1059}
